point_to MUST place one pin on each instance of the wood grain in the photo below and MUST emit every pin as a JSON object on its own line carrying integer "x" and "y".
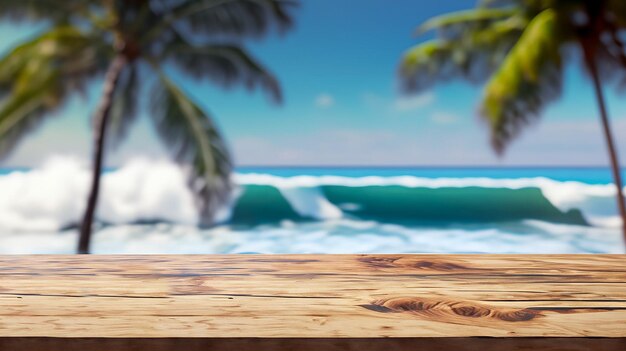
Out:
{"x": 325, "y": 299}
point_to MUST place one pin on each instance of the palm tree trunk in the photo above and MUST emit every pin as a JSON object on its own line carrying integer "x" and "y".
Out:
{"x": 608, "y": 135}
{"x": 101, "y": 118}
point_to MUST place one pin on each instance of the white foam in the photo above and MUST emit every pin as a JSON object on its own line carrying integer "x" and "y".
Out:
{"x": 147, "y": 190}
{"x": 310, "y": 202}
{"x": 54, "y": 196}
{"x": 340, "y": 236}
{"x": 43, "y": 199}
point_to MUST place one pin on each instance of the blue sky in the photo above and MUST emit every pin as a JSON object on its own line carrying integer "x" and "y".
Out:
{"x": 337, "y": 69}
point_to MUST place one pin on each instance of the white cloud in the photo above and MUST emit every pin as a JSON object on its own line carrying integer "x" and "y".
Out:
{"x": 324, "y": 101}
{"x": 442, "y": 117}
{"x": 414, "y": 102}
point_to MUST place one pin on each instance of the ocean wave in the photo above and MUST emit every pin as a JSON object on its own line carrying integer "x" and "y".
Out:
{"x": 53, "y": 196}
{"x": 596, "y": 202}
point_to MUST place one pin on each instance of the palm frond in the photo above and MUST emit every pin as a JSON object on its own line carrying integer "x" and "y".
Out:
{"x": 473, "y": 54}
{"x": 460, "y": 19}
{"x": 529, "y": 78}
{"x": 23, "y": 111}
{"x": 241, "y": 18}
{"x": 193, "y": 139}
{"x": 42, "y": 9}
{"x": 611, "y": 51}
{"x": 38, "y": 76}
{"x": 78, "y": 55}
{"x": 124, "y": 105}
{"x": 439, "y": 61}
{"x": 226, "y": 65}
{"x": 427, "y": 63}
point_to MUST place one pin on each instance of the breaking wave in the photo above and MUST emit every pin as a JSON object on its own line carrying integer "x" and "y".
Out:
{"x": 52, "y": 197}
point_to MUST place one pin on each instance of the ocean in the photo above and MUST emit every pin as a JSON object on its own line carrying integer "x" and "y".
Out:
{"x": 146, "y": 208}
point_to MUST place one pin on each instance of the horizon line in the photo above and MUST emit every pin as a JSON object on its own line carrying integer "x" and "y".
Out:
{"x": 388, "y": 166}
{"x": 424, "y": 166}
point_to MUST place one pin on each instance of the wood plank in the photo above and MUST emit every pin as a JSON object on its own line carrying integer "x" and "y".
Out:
{"x": 316, "y": 300}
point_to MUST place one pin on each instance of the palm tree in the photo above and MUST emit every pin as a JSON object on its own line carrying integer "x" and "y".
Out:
{"x": 519, "y": 48}
{"x": 123, "y": 39}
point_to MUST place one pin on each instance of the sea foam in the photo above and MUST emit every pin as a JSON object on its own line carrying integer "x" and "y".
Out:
{"x": 54, "y": 196}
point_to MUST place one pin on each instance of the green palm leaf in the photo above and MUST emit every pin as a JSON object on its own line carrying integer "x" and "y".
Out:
{"x": 479, "y": 17}
{"x": 465, "y": 48}
{"x": 195, "y": 142}
{"x": 427, "y": 63}
{"x": 529, "y": 78}
{"x": 234, "y": 17}
{"x": 24, "y": 111}
{"x": 42, "y": 9}
{"x": 124, "y": 105}
{"x": 224, "y": 64}
{"x": 230, "y": 18}
{"x": 76, "y": 53}
{"x": 38, "y": 76}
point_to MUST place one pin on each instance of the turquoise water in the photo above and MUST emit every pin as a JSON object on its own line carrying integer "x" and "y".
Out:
{"x": 318, "y": 210}
{"x": 589, "y": 175}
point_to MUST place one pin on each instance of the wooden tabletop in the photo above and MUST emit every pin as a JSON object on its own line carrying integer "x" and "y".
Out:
{"x": 313, "y": 297}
